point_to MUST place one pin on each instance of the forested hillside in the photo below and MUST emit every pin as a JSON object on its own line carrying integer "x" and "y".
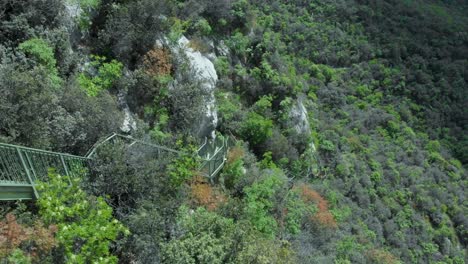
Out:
{"x": 348, "y": 119}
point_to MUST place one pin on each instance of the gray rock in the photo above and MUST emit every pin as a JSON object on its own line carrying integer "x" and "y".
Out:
{"x": 298, "y": 117}
{"x": 206, "y": 73}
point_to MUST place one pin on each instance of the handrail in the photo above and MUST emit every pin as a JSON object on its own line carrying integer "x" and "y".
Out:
{"x": 218, "y": 156}
{"x": 43, "y": 151}
{"x": 203, "y": 145}
{"x": 96, "y": 146}
{"x": 20, "y": 166}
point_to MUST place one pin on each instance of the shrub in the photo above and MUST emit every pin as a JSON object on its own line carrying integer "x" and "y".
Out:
{"x": 259, "y": 203}
{"x": 222, "y": 66}
{"x": 43, "y": 53}
{"x": 203, "y": 27}
{"x": 132, "y": 28}
{"x": 40, "y": 50}
{"x": 85, "y": 224}
{"x": 323, "y": 216}
{"x": 294, "y": 211}
{"x": 38, "y": 239}
{"x": 107, "y": 75}
{"x": 87, "y": 6}
{"x": 183, "y": 168}
{"x": 187, "y": 104}
{"x": 205, "y": 238}
{"x": 256, "y": 129}
{"x": 158, "y": 62}
{"x": 203, "y": 194}
{"x": 233, "y": 170}
{"x": 263, "y": 105}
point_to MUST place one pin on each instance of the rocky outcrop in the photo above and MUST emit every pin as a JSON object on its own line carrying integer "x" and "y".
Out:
{"x": 298, "y": 117}
{"x": 129, "y": 123}
{"x": 203, "y": 66}
{"x": 299, "y": 121}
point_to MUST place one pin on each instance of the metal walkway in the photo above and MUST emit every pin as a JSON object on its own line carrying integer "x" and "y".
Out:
{"x": 21, "y": 167}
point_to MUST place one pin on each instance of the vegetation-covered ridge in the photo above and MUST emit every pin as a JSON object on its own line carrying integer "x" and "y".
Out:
{"x": 350, "y": 118}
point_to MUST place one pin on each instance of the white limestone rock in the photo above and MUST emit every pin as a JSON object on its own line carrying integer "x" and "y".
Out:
{"x": 299, "y": 117}
{"x": 206, "y": 73}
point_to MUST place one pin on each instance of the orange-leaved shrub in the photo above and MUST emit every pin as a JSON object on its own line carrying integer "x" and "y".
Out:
{"x": 38, "y": 239}
{"x": 158, "y": 62}
{"x": 203, "y": 194}
{"x": 323, "y": 215}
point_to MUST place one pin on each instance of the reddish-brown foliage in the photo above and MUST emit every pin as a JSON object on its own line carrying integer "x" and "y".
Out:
{"x": 204, "y": 195}
{"x": 234, "y": 154}
{"x": 157, "y": 62}
{"x": 323, "y": 215}
{"x": 381, "y": 256}
{"x": 13, "y": 235}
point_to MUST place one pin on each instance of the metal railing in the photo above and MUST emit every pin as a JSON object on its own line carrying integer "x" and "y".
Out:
{"x": 213, "y": 155}
{"x": 21, "y": 167}
{"x": 133, "y": 141}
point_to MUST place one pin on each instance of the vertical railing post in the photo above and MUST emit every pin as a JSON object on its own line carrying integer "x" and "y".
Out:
{"x": 31, "y": 165}
{"x": 28, "y": 173}
{"x": 66, "y": 169}
{"x": 64, "y": 166}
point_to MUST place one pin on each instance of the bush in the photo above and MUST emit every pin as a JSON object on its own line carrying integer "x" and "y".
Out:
{"x": 36, "y": 241}
{"x": 256, "y": 129}
{"x": 129, "y": 33}
{"x": 107, "y": 74}
{"x": 183, "y": 168}
{"x": 40, "y": 51}
{"x": 222, "y": 66}
{"x": 323, "y": 216}
{"x": 158, "y": 62}
{"x": 87, "y": 7}
{"x": 85, "y": 224}
{"x": 203, "y": 27}
{"x": 205, "y": 238}
{"x": 43, "y": 53}
{"x": 259, "y": 203}
{"x": 205, "y": 195}
{"x": 232, "y": 172}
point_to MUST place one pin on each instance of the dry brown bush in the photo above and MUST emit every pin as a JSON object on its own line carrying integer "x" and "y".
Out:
{"x": 158, "y": 62}
{"x": 203, "y": 194}
{"x": 13, "y": 235}
{"x": 234, "y": 154}
{"x": 323, "y": 215}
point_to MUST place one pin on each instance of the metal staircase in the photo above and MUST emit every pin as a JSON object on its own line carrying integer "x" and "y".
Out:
{"x": 22, "y": 167}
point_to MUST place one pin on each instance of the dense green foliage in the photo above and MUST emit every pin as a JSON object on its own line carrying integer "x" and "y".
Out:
{"x": 85, "y": 225}
{"x": 107, "y": 74}
{"x": 350, "y": 118}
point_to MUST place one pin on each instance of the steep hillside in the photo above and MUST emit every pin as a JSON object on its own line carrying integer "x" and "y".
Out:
{"x": 349, "y": 118}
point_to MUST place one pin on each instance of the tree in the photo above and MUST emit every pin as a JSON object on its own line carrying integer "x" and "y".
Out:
{"x": 205, "y": 238}
{"x": 259, "y": 203}
{"x": 107, "y": 74}
{"x": 256, "y": 129}
{"x": 85, "y": 224}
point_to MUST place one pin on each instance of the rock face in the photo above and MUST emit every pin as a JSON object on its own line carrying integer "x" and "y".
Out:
{"x": 129, "y": 123}
{"x": 73, "y": 9}
{"x": 299, "y": 119}
{"x": 206, "y": 73}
